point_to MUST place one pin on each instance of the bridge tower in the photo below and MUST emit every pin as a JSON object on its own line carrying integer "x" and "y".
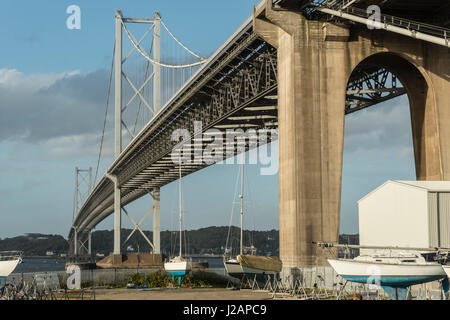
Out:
{"x": 316, "y": 59}
{"x": 118, "y": 122}
{"x": 83, "y": 187}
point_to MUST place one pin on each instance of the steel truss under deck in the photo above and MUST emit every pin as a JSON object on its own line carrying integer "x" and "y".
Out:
{"x": 368, "y": 87}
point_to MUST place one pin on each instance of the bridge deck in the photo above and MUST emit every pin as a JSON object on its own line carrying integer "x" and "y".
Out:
{"x": 241, "y": 74}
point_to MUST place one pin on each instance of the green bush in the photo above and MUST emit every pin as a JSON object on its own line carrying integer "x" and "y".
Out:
{"x": 164, "y": 280}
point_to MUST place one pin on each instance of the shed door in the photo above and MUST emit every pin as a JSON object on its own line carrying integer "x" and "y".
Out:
{"x": 444, "y": 219}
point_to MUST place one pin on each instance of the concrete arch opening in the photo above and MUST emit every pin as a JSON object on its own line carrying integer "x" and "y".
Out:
{"x": 378, "y": 144}
{"x": 384, "y": 76}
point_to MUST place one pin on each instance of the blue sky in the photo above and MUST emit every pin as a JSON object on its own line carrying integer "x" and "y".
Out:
{"x": 53, "y": 84}
{"x": 38, "y": 41}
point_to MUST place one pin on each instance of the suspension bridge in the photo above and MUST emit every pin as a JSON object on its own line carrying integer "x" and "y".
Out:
{"x": 291, "y": 72}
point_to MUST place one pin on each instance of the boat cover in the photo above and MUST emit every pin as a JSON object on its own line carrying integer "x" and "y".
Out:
{"x": 260, "y": 262}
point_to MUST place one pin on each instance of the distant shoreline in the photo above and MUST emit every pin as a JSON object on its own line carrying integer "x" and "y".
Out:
{"x": 45, "y": 257}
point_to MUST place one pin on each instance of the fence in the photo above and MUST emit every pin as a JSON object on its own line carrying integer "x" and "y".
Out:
{"x": 304, "y": 283}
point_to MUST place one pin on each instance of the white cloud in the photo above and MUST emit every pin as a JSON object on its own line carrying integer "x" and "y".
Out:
{"x": 385, "y": 128}
{"x": 74, "y": 146}
{"x": 13, "y": 79}
{"x": 60, "y": 112}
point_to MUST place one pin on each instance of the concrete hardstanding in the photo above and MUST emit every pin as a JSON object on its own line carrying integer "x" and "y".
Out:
{"x": 315, "y": 61}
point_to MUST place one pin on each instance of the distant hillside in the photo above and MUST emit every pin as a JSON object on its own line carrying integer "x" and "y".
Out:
{"x": 35, "y": 244}
{"x": 211, "y": 240}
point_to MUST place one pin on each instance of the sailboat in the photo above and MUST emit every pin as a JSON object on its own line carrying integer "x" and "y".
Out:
{"x": 179, "y": 266}
{"x": 394, "y": 272}
{"x": 249, "y": 265}
{"x": 9, "y": 260}
{"x": 400, "y": 270}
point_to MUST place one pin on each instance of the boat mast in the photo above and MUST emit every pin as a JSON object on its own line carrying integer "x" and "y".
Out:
{"x": 242, "y": 201}
{"x": 181, "y": 209}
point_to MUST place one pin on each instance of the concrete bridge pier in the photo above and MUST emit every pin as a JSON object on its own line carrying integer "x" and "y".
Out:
{"x": 311, "y": 104}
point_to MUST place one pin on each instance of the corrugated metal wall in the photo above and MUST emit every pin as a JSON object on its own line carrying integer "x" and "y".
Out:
{"x": 439, "y": 219}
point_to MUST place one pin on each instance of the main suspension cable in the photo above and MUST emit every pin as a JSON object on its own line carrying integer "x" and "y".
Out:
{"x": 106, "y": 112}
{"x": 181, "y": 44}
{"x": 146, "y": 56}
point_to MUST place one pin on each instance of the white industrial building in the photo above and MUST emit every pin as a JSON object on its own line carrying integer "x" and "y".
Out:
{"x": 406, "y": 214}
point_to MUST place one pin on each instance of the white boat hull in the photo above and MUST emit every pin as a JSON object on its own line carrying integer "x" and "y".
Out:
{"x": 177, "y": 268}
{"x": 8, "y": 266}
{"x": 387, "y": 274}
{"x": 447, "y": 270}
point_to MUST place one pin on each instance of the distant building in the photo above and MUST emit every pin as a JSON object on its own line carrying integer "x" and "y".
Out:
{"x": 36, "y": 236}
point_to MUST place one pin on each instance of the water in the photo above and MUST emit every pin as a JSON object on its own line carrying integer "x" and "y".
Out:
{"x": 40, "y": 265}
{"x": 49, "y": 265}
{"x": 214, "y": 263}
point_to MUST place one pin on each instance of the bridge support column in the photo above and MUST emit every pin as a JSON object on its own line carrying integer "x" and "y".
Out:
{"x": 117, "y": 135}
{"x": 89, "y": 243}
{"x": 430, "y": 117}
{"x": 75, "y": 242}
{"x": 312, "y": 82}
{"x": 117, "y": 218}
{"x": 157, "y": 58}
{"x": 156, "y": 194}
{"x": 118, "y": 88}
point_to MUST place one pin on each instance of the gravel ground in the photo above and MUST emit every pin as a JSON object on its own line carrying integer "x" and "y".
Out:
{"x": 180, "y": 294}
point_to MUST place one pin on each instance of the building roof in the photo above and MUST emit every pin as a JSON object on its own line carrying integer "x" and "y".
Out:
{"x": 433, "y": 186}
{"x": 429, "y": 186}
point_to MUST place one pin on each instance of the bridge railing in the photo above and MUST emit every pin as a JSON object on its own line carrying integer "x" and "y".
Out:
{"x": 432, "y": 33}
{"x": 402, "y": 23}
{"x": 312, "y": 8}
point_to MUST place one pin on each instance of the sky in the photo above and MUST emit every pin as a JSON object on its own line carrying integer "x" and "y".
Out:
{"x": 53, "y": 87}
